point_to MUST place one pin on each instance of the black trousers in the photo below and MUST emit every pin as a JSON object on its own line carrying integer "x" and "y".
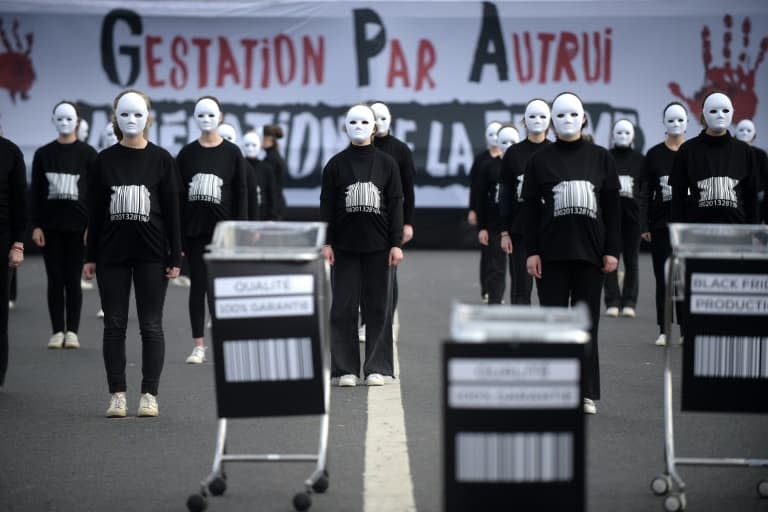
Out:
{"x": 565, "y": 283}
{"x": 198, "y": 288}
{"x": 5, "y": 245}
{"x": 14, "y": 285}
{"x": 630, "y": 251}
{"x": 661, "y": 250}
{"x": 63, "y": 258}
{"x": 495, "y": 268}
{"x": 150, "y": 286}
{"x": 521, "y": 282}
{"x": 367, "y": 275}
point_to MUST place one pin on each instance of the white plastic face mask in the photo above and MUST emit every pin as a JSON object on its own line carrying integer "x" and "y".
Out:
{"x": 251, "y": 145}
{"x": 492, "y": 134}
{"x": 65, "y": 119}
{"x": 359, "y": 124}
{"x": 82, "y": 130}
{"x": 109, "y": 135}
{"x": 537, "y": 117}
{"x": 718, "y": 112}
{"x": 745, "y": 131}
{"x": 675, "y": 120}
{"x": 227, "y": 132}
{"x": 567, "y": 115}
{"x": 207, "y": 115}
{"x": 132, "y": 114}
{"x": 623, "y": 133}
{"x": 383, "y": 118}
{"x": 508, "y": 136}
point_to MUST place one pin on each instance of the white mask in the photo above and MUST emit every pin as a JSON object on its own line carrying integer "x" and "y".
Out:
{"x": 251, "y": 145}
{"x": 508, "y": 136}
{"x": 623, "y": 133}
{"x": 207, "y": 115}
{"x": 567, "y": 115}
{"x": 745, "y": 131}
{"x": 675, "y": 120}
{"x": 383, "y": 118}
{"x": 537, "y": 116}
{"x": 492, "y": 134}
{"x": 82, "y": 130}
{"x": 359, "y": 124}
{"x": 109, "y": 135}
{"x": 132, "y": 114}
{"x": 227, "y": 132}
{"x": 718, "y": 112}
{"x": 65, "y": 119}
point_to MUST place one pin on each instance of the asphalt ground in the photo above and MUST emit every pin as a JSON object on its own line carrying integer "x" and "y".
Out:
{"x": 58, "y": 452}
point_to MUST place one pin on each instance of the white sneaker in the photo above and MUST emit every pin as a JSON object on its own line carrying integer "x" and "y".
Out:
{"x": 100, "y": 313}
{"x": 71, "y": 340}
{"x": 197, "y": 356}
{"x": 181, "y": 281}
{"x": 589, "y": 406}
{"x": 86, "y": 285}
{"x": 147, "y": 406}
{"x": 661, "y": 341}
{"x": 348, "y": 381}
{"x": 612, "y": 312}
{"x": 628, "y": 312}
{"x": 56, "y": 341}
{"x": 116, "y": 406}
{"x": 374, "y": 379}
{"x": 11, "y": 305}
{"x": 361, "y": 333}
{"x": 485, "y": 298}
{"x": 395, "y": 326}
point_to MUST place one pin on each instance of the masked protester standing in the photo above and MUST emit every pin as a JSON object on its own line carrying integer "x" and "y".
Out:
{"x": 536, "y": 120}
{"x": 361, "y": 199}
{"x": 59, "y": 218}
{"x": 214, "y": 188}
{"x": 571, "y": 216}
{"x": 745, "y": 132}
{"x": 133, "y": 236}
{"x": 272, "y": 133}
{"x": 262, "y": 189}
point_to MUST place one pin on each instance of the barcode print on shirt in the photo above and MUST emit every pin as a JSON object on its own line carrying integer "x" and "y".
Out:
{"x": 666, "y": 188}
{"x": 520, "y": 180}
{"x": 62, "y": 185}
{"x": 718, "y": 191}
{"x": 129, "y": 202}
{"x": 205, "y": 187}
{"x": 514, "y": 457}
{"x": 627, "y": 184}
{"x": 363, "y": 197}
{"x": 268, "y": 360}
{"x": 576, "y": 197}
{"x": 734, "y": 357}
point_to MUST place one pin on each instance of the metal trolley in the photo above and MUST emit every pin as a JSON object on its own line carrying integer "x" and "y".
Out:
{"x": 270, "y": 296}
{"x": 720, "y": 274}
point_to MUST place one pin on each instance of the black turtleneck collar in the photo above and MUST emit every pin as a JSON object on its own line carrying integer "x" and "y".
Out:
{"x": 571, "y": 145}
{"x": 622, "y": 149}
{"x": 361, "y": 150}
{"x": 716, "y": 139}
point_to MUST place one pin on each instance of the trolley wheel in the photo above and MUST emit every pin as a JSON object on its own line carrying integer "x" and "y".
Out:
{"x": 217, "y": 486}
{"x": 302, "y": 501}
{"x": 196, "y": 503}
{"x": 660, "y": 485}
{"x": 762, "y": 488}
{"x": 674, "y": 502}
{"x": 321, "y": 485}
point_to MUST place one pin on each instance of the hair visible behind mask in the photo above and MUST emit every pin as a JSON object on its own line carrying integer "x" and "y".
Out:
{"x": 113, "y": 118}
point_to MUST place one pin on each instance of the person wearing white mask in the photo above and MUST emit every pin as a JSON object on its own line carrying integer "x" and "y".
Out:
{"x": 656, "y": 202}
{"x": 108, "y": 137}
{"x": 745, "y": 132}
{"x": 571, "y": 222}
{"x": 476, "y": 172}
{"x": 536, "y": 119}
{"x": 361, "y": 200}
{"x": 227, "y": 132}
{"x": 133, "y": 237}
{"x": 629, "y": 167}
{"x": 213, "y": 177}
{"x": 59, "y": 218}
{"x": 83, "y": 128}
{"x": 717, "y": 170}
{"x": 262, "y": 190}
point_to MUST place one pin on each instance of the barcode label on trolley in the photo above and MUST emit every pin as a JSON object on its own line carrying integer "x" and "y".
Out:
{"x": 514, "y": 457}
{"x": 268, "y": 360}
{"x": 735, "y": 357}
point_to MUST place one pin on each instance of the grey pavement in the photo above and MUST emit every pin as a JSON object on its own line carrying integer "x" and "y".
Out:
{"x": 58, "y": 452}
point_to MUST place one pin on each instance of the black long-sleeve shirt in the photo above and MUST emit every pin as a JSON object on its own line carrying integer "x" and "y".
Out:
{"x": 488, "y": 216}
{"x": 262, "y": 191}
{"x": 214, "y": 186}
{"x": 361, "y": 199}
{"x": 512, "y": 175}
{"x": 59, "y": 186}
{"x": 656, "y": 205}
{"x": 761, "y": 161}
{"x": 277, "y": 161}
{"x": 571, "y": 203}
{"x": 133, "y": 204}
{"x": 402, "y": 154}
{"x": 720, "y": 174}
{"x": 629, "y": 168}
{"x": 13, "y": 190}
{"x": 474, "y": 175}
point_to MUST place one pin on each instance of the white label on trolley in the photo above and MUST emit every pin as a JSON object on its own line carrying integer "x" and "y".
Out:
{"x": 257, "y": 307}
{"x": 563, "y": 396}
{"x": 729, "y": 304}
{"x": 249, "y": 286}
{"x": 513, "y": 370}
{"x": 729, "y": 283}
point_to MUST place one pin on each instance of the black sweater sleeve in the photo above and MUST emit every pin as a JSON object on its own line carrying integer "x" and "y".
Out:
{"x": 611, "y": 207}
{"x": 679, "y": 182}
{"x": 407, "y": 176}
{"x": 327, "y": 190}
{"x": 169, "y": 188}
{"x": 531, "y": 210}
{"x": 394, "y": 194}
{"x": 98, "y": 204}
{"x": 18, "y": 198}
{"x": 240, "y": 189}
{"x": 38, "y": 189}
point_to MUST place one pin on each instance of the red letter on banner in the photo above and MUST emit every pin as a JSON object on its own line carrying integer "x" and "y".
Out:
{"x": 398, "y": 68}
{"x": 426, "y": 61}
{"x": 152, "y": 61}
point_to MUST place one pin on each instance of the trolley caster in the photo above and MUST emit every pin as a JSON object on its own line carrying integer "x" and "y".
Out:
{"x": 196, "y": 503}
{"x": 762, "y": 488}
{"x": 321, "y": 485}
{"x": 661, "y": 485}
{"x": 302, "y": 501}
{"x": 217, "y": 486}
{"x": 674, "y": 502}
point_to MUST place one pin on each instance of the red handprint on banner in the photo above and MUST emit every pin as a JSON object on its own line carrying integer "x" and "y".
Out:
{"x": 16, "y": 73}
{"x": 737, "y": 82}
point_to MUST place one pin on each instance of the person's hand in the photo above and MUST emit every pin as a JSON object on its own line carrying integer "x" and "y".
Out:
{"x": 38, "y": 237}
{"x": 506, "y": 243}
{"x": 395, "y": 256}
{"x": 328, "y": 254}
{"x": 407, "y": 233}
{"x": 610, "y": 263}
{"x": 482, "y": 236}
{"x": 16, "y": 255}
{"x": 172, "y": 272}
{"x": 646, "y": 236}
{"x": 89, "y": 271}
{"x": 533, "y": 265}
{"x": 472, "y": 218}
